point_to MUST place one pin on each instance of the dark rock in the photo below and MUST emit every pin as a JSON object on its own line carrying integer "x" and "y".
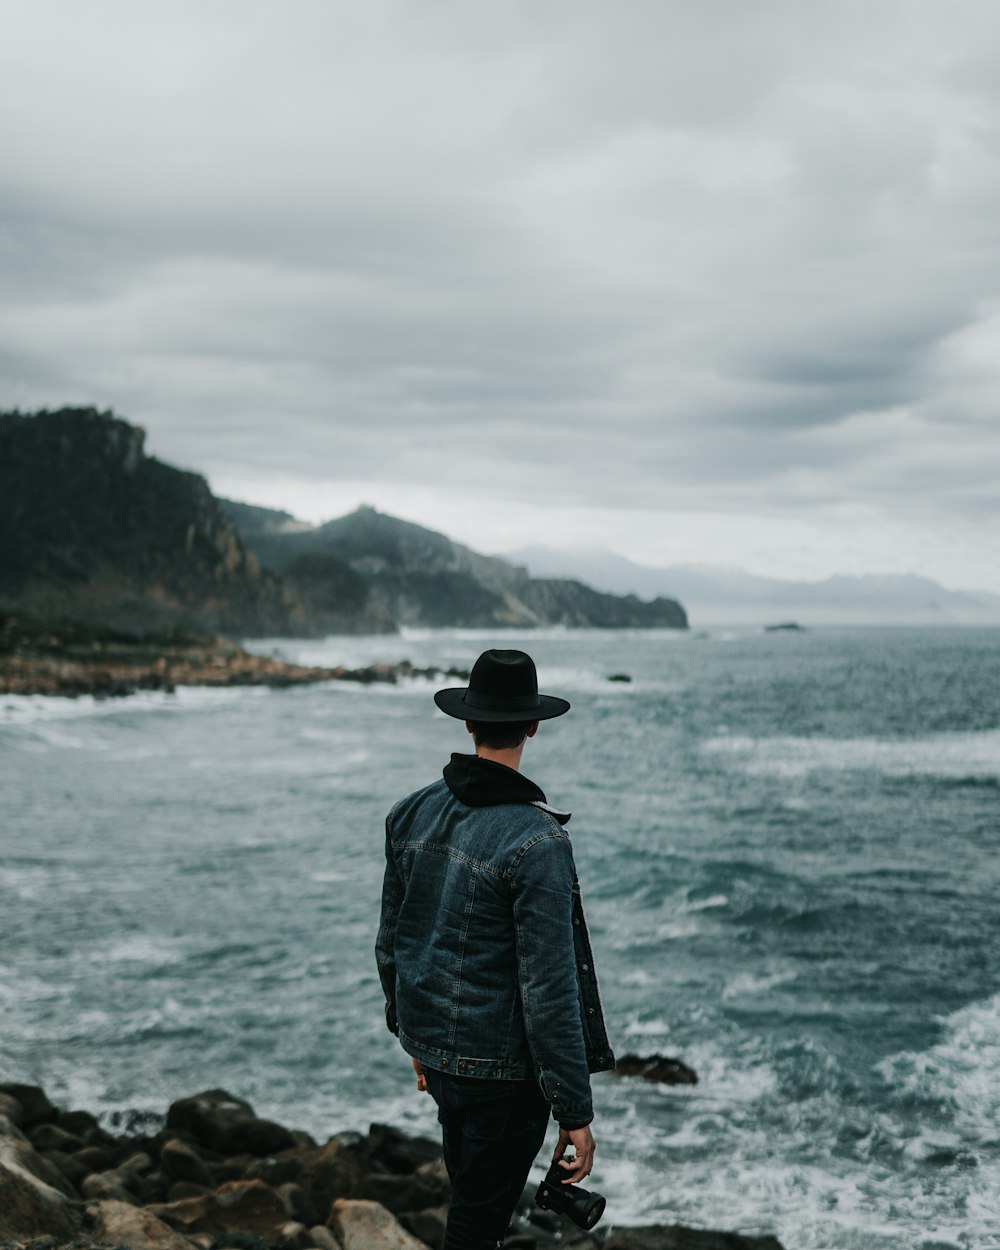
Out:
{"x": 34, "y": 1103}
{"x": 70, "y": 1167}
{"x": 28, "y": 1210}
{"x": 656, "y": 1068}
{"x": 236, "y": 1207}
{"x": 186, "y": 1189}
{"x": 227, "y": 1125}
{"x": 624, "y": 677}
{"x": 77, "y": 1122}
{"x": 119, "y": 1224}
{"x": 11, "y": 1110}
{"x": 399, "y": 1153}
{"x": 399, "y": 1193}
{"x": 53, "y": 1137}
{"x": 179, "y": 1162}
{"x": 95, "y": 1159}
{"x": 427, "y": 1226}
{"x": 673, "y": 1237}
{"x": 109, "y": 1187}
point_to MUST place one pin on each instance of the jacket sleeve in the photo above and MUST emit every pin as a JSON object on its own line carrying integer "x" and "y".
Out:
{"x": 543, "y": 883}
{"x": 385, "y": 943}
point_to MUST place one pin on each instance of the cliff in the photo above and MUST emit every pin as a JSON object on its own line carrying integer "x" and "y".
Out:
{"x": 93, "y": 529}
{"x": 416, "y": 576}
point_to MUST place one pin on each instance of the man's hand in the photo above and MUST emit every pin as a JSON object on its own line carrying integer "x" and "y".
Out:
{"x": 421, "y": 1079}
{"x": 582, "y": 1141}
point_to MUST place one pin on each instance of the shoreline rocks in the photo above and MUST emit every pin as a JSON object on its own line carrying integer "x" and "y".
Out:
{"x": 215, "y": 1175}
{"x": 69, "y": 659}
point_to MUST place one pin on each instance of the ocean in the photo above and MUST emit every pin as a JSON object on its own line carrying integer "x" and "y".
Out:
{"x": 788, "y": 847}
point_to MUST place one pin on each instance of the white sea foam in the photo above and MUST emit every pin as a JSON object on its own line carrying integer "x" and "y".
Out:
{"x": 954, "y": 755}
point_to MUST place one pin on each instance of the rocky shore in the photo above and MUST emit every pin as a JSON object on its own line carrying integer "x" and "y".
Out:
{"x": 212, "y": 1174}
{"x": 66, "y": 658}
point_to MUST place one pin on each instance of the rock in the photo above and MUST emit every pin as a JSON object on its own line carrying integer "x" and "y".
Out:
{"x": 34, "y": 1103}
{"x": 427, "y": 1226}
{"x": 119, "y": 1224}
{"x": 656, "y": 1068}
{"x": 228, "y": 1125}
{"x": 17, "y": 1154}
{"x": 47, "y": 1137}
{"x": 235, "y": 1207}
{"x": 180, "y": 1190}
{"x": 109, "y": 1187}
{"x": 71, "y": 1168}
{"x": 180, "y": 1162}
{"x": 30, "y": 1209}
{"x": 292, "y": 1236}
{"x": 323, "y": 1239}
{"x": 399, "y": 1193}
{"x": 95, "y": 1159}
{"x": 673, "y": 1237}
{"x": 296, "y": 1200}
{"x": 336, "y": 1170}
{"x": 8, "y": 1128}
{"x": 361, "y": 1225}
{"x": 10, "y": 1109}
{"x": 399, "y": 1153}
{"x": 78, "y": 1122}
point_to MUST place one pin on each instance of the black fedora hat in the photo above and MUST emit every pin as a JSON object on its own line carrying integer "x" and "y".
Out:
{"x": 503, "y": 686}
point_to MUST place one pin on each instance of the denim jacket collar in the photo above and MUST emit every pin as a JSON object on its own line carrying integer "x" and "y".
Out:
{"x": 478, "y": 782}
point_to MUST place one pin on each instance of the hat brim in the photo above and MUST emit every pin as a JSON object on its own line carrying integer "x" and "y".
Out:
{"x": 452, "y": 703}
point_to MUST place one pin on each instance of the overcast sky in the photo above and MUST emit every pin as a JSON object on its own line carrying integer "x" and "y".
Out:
{"x": 701, "y": 281}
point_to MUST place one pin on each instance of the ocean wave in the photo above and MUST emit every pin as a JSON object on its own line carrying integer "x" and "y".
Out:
{"x": 951, "y": 756}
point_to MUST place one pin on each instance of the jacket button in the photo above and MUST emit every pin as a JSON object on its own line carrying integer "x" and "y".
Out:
{"x": 585, "y": 967}
{"x": 590, "y": 1011}
{"x": 576, "y": 921}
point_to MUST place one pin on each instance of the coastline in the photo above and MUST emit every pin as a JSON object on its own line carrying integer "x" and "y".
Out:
{"x": 68, "y": 659}
{"x": 211, "y": 1174}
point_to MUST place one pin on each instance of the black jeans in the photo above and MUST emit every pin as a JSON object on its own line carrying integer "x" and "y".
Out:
{"x": 492, "y": 1131}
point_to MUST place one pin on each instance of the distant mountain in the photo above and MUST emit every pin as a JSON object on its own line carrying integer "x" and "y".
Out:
{"x": 718, "y": 594}
{"x": 416, "y": 576}
{"x": 93, "y": 529}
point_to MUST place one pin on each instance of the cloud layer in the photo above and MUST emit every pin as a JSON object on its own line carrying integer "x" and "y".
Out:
{"x": 620, "y": 271}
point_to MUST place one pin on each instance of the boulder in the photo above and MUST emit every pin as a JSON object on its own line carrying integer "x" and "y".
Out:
{"x": 399, "y": 1193}
{"x": 336, "y": 1170}
{"x": 34, "y": 1103}
{"x": 119, "y": 1224}
{"x": 71, "y": 1168}
{"x": 673, "y": 1237}
{"x": 361, "y": 1225}
{"x": 322, "y": 1238}
{"x": 656, "y": 1068}
{"x": 18, "y": 1155}
{"x": 399, "y": 1153}
{"x": 52, "y": 1137}
{"x": 79, "y": 1122}
{"x": 180, "y": 1162}
{"x": 427, "y": 1226}
{"x": 235, "y": 1207}
{"x": 227, "y": 1125}
{"x": 30, "y": 1209}
{"x": 11, "y": 1109}
{"x": 109, "y": 1187}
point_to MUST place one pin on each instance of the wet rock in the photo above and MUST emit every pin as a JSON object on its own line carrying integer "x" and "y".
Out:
{"x": 51, "y": 1137}
{"x": 362, "y": 1225}
{"x": 17, "y": 1155}
{"x": 31, "y": 1209}
{"x": 292, "y": 1236}
{"x": 70, "y": 1167}
{"x": 673, "y": 1237}
{"x": 399, "y": 1193}
{"x": 296, "y": 1200}
{"x": 427, "y": 1226}
{"x": 322, "y": 1238}
{"x": 656, "y": 1068}
{"x": 78, "y": 1122}
{"x": 235, "y": 1207}
{"x": 180, "y": 1190}
{"x": 180, "y": 1162}
{"x": 399, "y": 1153}
{"x": 228, "y": 1125}
{"x": 109, "y": 1187}
{"x": 119, "y": 1224}
{"x": 95, "y": 1159}
{"x": 34, "y": 1103}
{"x": 11, "y": 1109}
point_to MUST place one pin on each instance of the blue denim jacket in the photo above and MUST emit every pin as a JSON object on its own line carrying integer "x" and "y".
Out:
{"x": 483, "y": 950}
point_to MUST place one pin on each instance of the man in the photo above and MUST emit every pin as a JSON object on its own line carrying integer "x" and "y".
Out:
{"x": 484, "y": 956}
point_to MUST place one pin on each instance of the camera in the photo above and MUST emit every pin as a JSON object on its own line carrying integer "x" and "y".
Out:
{"x": 582, "y": 1207}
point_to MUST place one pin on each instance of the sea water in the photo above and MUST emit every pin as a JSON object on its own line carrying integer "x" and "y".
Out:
{"x": 788, "y": 846}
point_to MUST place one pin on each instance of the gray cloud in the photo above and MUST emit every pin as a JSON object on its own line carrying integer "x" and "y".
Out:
{"x": 725, "y": 257}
